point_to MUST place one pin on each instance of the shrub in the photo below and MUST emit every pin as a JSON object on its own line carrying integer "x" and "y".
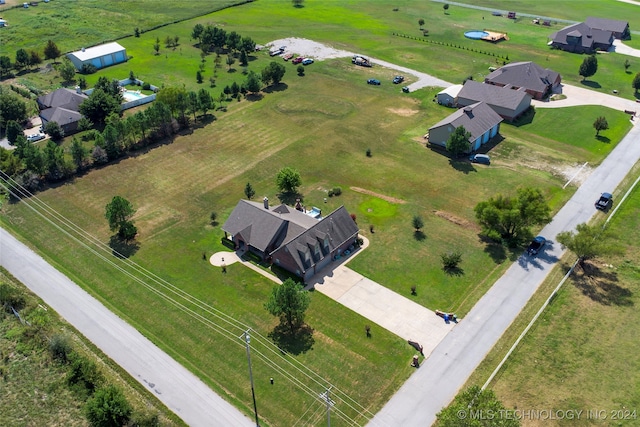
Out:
{"x": 88, "y": 69}
{"x": 146, "y": 86}
{"x": 337, "y": 191}
{"x": 108, "y": 407}
{"x": 330, "y": 193}
{"x": 83, "y": 376}
{"x": 450, "y": 260}
{"x": 60, "y": 348}
{"x": 368, "y": 152}
{"x": 11, "y": 297}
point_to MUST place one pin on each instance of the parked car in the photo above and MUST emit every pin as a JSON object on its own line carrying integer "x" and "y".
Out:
{"x": 276, "y": 52}
{"x": 398, "y": 79}
{"x": 307, "y": 61}
{"x": 405, "y": 89}
{"x": 35, "y": 137}
{"x": 536, "y": 245}
{"x": 373, "y": 82}
{"x": 604, "y": 202}
{"x": 480, "y": 158}
{"x": 287, "y": 56}
{"x": 297, "y": 60}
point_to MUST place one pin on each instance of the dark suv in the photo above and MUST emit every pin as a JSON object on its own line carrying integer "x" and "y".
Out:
{"x": 373, "y": 82}
{"x": 604, "y": 202}
{"x": 398, "y": 79}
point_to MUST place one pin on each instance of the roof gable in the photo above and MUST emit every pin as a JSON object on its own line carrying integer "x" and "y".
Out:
{"x": 97, "y": 51}
{"x": 65, "y": 98}
{"x": 476, "y": 118}
{"x": 612, "y": 25}
{"x": 493, "y": 95}
{"x": 528, "y": 75}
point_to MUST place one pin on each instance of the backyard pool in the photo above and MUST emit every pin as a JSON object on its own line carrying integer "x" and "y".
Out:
{"x": 132, "y": 95}
{"x": 476, "y": 34}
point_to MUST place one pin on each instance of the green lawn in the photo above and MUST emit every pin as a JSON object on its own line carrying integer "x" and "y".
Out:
{"x": 321, "y": 124}
{"x": 580, "y": 353}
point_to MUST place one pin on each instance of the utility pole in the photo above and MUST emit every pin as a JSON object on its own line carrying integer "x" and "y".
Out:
{"x": 330, "y": 403}
{"x": 247, "y": 339}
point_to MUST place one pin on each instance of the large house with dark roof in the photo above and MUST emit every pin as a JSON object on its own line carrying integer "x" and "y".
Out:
{"x": 504, "y": 100}
{"x": 478, "y": 119}
{"x": 62, "y": 106}
{"x": 587, "y": 37}
{"x": 289, "y": 238}
{"x": 535, "y": 80}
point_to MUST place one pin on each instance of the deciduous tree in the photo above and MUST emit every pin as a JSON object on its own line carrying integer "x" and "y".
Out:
{"x": 22, "y": 58}
{"x": 600, "y": 124}
{"x": 252, "y": 84}
{"x": 108, "y": 408}
{"x": 588, "y": 67}
{"x": 635, "y": 84}
{"x": 289, "y": 302}
{"x": 54, "y": 130}
{"x": 475, "y": 401}
{"x": 12, "y": 131}
{"x": 587, "y": 242}
{"x": 417, "y": 222}
{"x": 98, "y": 106}
{"x": 273, "y": 73}
{"x": 421, "y": 22}
{"x": 118, "y": 212}
{"x": 288, "y": 180}
{"x": 67, "y": 70}
{"x": 458, "y": 141}
{"x": 509, "y": 218}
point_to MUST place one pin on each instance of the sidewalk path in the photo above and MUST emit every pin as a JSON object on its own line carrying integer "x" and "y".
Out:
{"x": 181, "y": 391}
{"x": 440, "y": 377}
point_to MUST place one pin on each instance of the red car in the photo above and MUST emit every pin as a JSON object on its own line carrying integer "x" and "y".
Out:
{"x": 297, "y": 60}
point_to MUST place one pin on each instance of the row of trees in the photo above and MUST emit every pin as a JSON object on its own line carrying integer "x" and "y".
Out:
{"x": 26, "y": 59}
{"x": 212, "y": 38}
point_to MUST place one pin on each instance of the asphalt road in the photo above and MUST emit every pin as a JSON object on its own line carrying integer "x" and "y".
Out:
{"x": 441, "y": 376}
{"x": 170, "y": 382}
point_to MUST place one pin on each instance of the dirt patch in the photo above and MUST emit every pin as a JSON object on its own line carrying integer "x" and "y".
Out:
{"x": 457, "y": 220}
{"x": 305, "y": 47}
{"x": 404, "y": 112}
{"x": 378, "y": 195}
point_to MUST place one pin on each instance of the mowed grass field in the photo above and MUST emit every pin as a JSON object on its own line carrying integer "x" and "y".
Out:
{"x": 321, "y": 124}
{"x": 581, "y": 353}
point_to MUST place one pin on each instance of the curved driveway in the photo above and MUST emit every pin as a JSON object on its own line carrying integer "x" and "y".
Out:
{"x": 176, "y": 387}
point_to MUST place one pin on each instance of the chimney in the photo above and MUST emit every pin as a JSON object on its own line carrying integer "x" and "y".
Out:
{"x": 78, "y": 90}
{"x": 266, "y": 203}
{"x": 82, "y": 49}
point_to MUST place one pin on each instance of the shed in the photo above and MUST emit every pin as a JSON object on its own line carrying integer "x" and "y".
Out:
{"x": 447, "y": 97}
{"x": 100, "y": 56}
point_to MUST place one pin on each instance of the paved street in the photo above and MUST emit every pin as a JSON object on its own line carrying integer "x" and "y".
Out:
{"x": 170, "y": 382}
{"x": 440, "y": 377}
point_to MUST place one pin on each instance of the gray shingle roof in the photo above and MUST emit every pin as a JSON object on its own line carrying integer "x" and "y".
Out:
{"x": 493, "y": 95}
{"x": 476, "y": 118}
{"x": 612, "y": 25}
{"x": 65, "y": 98}
{"x": 338, "y": 226}
{"x": 589, "y": 35}
{"x": 528, "y": 75}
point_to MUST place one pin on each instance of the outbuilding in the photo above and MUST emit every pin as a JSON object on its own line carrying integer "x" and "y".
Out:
{"x": 100, "y": 56}
{"x": 448, "y": 96}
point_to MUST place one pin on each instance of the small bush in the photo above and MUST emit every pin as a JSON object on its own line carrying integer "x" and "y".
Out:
{"x": 146, "y": 86}
{"x": 330, "y": 193}
{"x": 450, "y": 260}
{"x": 60, "y": 348}
{"x": 11, "y": 297}
{"x": 336, "y": 191}
{"x": 368, "y": 152}
{"x": 88, "y": 69}
{"x": 83, "y": 376}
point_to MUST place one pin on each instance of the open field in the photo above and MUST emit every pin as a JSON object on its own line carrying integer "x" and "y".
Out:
{"x": 322, "y": 124}
{"x": 580, "y": 353}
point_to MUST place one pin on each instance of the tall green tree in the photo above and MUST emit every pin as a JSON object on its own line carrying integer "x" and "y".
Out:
{"x": 249, "y": 191}
{"x": 635, "y": 84}
{"x": 248, "y": 45}
{"x": 34, "y": 58}
{"x": 417, "y": 222}
{"x": 253, "y": 83}
{"x": 273, "y": 73}
{"x": 193, "y": 104}
{"x": 289, "y": 302}
{"x": 98, "y": 106}
{"x": 462, "y": 412}
{"x": 588, "y": 67}
{"x": 600, "y": 124}
{"x": 79, "y": 153}
{"x": 22, "y": 58}
{"x": 421, "y": 23}
{"x": 205, "y": 102}
{"x": 119, "y": 212}
{"x": 288, "y": 180}
{"x": 67, "y": 70}
{"x": 509, "y": 219}
{"x": 588, "y": 242}
{"x": 54, "y": 130}
{"x": 51, "y": 51}
{"x": 12, "y": 108}
{"x": 5, "y": 65}
{"x": 13, "y": 129}
{"x": 458, "y": 142}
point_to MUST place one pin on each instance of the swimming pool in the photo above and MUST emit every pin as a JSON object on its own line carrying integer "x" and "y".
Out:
{"x": 130, "y": 95}
{"x": 476, "y": 34}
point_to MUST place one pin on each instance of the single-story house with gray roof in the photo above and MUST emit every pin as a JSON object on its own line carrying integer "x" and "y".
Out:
{"x": 619, "y": 29}
{"x": 62, "y": 106}
{"x": 289, "y": 238}
{"x": 504, "y": 100}
{"x": 100, "y": 56}
{"x": 478, "y": 119}
{"x": 581, "y": 38}
{"x": 536, "y": 81}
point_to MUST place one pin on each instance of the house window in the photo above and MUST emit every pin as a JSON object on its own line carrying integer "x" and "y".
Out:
{"x": 317, "y": 250}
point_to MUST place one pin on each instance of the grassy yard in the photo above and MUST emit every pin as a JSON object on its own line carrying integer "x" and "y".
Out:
{"x": 321, "y": 124}
{"x": 579, "y": 353}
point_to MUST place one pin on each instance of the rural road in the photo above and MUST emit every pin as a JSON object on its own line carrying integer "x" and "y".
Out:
{"x": 440, "y": 377}
{"x": 176, "y": 387}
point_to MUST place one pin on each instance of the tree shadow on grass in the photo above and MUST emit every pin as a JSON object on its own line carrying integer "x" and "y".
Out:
{"x": 600, "y": 286}
{"x": 289, "y": 198}
{"x": 604, "y": 139}
{"x": 419, "y": 235}
{"x": 276, "y": 88}
{"x": 453, "y": 271}
{"x": 254, "y": 97}
{"x": 123, "y": 249}
{"x": 591, "y": 84}
{"x": 300, "y": 341}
